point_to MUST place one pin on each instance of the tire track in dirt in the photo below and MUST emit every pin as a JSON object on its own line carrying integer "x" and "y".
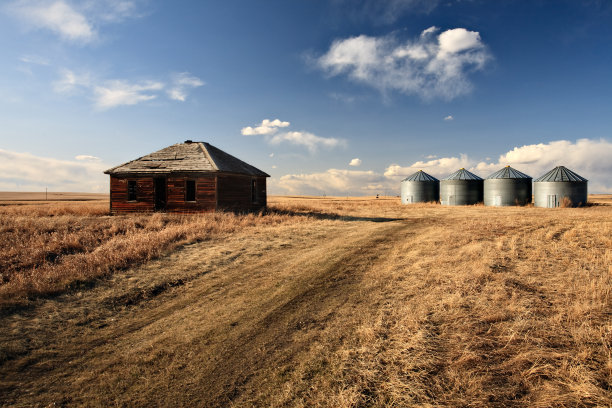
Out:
{"x": 311, "y": 307}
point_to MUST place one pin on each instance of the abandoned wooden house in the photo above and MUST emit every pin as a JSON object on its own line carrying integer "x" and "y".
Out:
{"x": 186, "y": 177}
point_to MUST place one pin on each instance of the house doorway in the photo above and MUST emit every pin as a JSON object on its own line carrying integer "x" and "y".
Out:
{"x": 160, "y": 193}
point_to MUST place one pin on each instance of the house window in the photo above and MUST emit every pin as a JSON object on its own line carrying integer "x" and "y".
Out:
{"x": 132, "y": 190}
{"x": 254, "y": 191}
{"x": 190, "y": 190}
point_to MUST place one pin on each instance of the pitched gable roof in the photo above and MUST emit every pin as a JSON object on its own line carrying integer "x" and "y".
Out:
{"x": 188, "y": 157}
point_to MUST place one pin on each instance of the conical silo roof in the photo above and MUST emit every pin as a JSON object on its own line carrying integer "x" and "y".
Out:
{"x": 462, "y": 174}
{"x": 508, "y": 173}
{"x": 420, "y": 176}
{"x": 560, "y": 173}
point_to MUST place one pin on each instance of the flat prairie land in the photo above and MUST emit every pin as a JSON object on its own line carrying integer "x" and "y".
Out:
{"x": 49, "y": 196}
{"x": 332, "y": 302}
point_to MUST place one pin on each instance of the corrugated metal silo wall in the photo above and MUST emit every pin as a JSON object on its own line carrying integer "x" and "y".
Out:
{"x": 551, "y": 193}
{"x": 420, "y": 191}
{"x": 461, "y": 192}
{"x": 504, "y": 192}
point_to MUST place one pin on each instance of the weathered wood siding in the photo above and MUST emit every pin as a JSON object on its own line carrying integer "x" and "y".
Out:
{"x": 263, "y": 191}
{"x": 119, "y": 195}
{"x": 234, "y": 192}
{"x": 205, "y": 194}
{"x": 175, "y": 194}
{"x": 223, "y": 191}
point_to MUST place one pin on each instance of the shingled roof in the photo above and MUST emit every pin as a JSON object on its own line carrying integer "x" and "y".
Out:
{"x": 188, "y": 157}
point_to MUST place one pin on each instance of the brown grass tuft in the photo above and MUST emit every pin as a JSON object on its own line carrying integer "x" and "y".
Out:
{"x": 48, "y": 248}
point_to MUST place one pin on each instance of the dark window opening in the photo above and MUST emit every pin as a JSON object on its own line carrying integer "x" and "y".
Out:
{"x": 254, "y": 191}
{"x": 190, "y": 190}
{"x": 132, "y": 190}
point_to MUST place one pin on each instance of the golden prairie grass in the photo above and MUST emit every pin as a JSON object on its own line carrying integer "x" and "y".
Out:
{"x": 47, "y": 248}
{"x": 344, "y": 303}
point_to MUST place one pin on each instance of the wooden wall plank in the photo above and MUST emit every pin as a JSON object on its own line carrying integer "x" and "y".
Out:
{"x": 223, "y": 191}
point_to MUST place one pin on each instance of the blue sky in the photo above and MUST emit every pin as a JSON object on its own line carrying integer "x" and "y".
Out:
{"x": 339, "y": 97}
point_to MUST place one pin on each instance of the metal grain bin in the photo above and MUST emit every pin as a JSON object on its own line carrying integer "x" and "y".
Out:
{"x": 507, "y": 186}
{"x": 560, "y": 183}
{"x": 461, "y": 188}
{"x": 420, "y": 187}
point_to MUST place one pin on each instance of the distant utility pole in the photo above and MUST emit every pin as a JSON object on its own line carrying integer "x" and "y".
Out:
{"x": 45, "y": 193}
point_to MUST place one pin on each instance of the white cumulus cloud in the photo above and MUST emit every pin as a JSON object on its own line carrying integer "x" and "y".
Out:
{"x": 332, "y": 182}
{"x": 27, "y": 172}
{"x": 441, "y": 167}
{"x": 266, "y": 127}
{"x": 591, "y": 158}
{"x": 588, "y": 157}
{"x": 449, "y": 117}
{"x": 431, "y": 66}
{"x": 270, "y": 130}
{"x": 355, "y": 162}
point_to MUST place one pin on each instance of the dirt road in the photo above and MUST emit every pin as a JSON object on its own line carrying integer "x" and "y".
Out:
{"x": 196, "y": 326}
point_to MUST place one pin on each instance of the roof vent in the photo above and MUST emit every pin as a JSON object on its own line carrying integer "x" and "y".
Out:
{"x": 188, "y": 141}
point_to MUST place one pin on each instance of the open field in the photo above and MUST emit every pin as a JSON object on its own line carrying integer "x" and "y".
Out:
{"x": 321, "y": 302}
{"x": 51, "y": 196}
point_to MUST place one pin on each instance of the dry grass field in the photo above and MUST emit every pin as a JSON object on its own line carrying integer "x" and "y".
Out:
{"x": 319, "y": 302}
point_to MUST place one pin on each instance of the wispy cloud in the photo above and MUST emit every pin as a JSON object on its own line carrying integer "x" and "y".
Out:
{"x": 356, "y": 162}
{"x": 342, "y": 97}
{"x": 431, "y": 66}
{"x": 86, "y": 157}
{"x": 266, "y": 127}
{"x": 34, "y": 59}
{"x": 383, "y": 11}
{"x": 449, "y": 118}
{"x": 181, "y": 83}
{"x": 56, "y": 16}
{"x": 27, "y": 172}
{"x": 69, "y": 81}
{"x": 309, "y": 140}
{"x": 270, "y": 130}
{"x": 111, "y": 93}
{"x": 117, "y": 92}
{"x": 74, "y": 21}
